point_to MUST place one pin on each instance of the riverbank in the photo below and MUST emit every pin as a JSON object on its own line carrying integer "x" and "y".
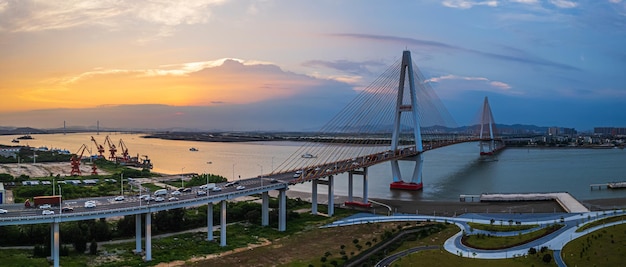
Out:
{"x": 45, "y": 169}
{"x": 453, "y": 208}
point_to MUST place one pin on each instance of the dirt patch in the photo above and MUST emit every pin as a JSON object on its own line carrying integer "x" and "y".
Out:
{"x": 307, "y": 246}
{"x": 45, "y": 169}
{"x": 213, "y": 256}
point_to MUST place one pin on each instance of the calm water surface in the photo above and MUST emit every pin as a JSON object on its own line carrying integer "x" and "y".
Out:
{"x": 448, "y": 172}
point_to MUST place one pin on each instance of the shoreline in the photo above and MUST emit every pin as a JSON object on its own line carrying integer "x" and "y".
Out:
{"x": 437, "y": 207}
{"x": 456, "y": 208}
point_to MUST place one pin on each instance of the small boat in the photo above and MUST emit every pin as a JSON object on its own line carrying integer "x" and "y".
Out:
{"x": 15, "y": 141}
{"x": 308, "y": 156}
{"x": 193, "y": 149}
{"x": 26, "y": 137}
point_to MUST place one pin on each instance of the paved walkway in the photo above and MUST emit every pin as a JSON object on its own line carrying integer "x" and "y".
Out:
{"x": 567, "y": 201}
{"x": 554, "y": 241}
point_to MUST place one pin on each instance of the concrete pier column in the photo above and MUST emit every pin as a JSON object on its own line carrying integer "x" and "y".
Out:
{"x": 331, "y": 196}
{"x": 55, "y": 242}
{"x": 365, "y": 185}
{"x": 223, "y": 224}
{"x": 137, "y": 233}
{"x": 282, "y": 210}
{"x": 265, "y": 209}
{"x": 350, "y": 185}
{"x": 149, "y": 236}
{"x": 52, "y": 241}
{"x": 314, "y": 197}
{"x": 209, "y": 222}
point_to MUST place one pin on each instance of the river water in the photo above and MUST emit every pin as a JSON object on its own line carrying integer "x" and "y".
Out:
{"x": 448, "y": 172}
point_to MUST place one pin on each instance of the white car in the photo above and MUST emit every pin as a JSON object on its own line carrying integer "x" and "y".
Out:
{"x": 45, "y": 206}
{"x": 241, "y": 187}
{"x": 47, "y": 212}
{"x": 144, "y": 197}
{"x": 119, "y": 198}
{"x": 176, "y": 193}
{"x": 172, "y": 199}
{"x": 90, "y": 204}
{"x": 3, "y": 211}
{"x": 159, "y": 199}
{"x": 216, "y": 189}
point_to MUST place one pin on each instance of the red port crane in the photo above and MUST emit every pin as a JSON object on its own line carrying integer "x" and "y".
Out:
{"x": 124, "y": 148}
{"x": 75, "y": 160}
{"x": 99, "y": 147}
{"x": 112, "y": 148}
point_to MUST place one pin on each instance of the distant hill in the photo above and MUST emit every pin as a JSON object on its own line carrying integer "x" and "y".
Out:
{"x": 20, "y": 130}
{"x": 503, "y": 128}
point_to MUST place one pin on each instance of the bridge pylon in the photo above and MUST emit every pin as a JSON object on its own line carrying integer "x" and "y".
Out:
{"x": 487, "y": 128}
{"x": 411, "y": 108}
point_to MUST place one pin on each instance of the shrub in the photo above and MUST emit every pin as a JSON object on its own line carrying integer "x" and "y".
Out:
{"x": 547, "y": 258}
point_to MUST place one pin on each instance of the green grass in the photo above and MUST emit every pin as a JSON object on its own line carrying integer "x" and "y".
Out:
{"x": 23, "y": 258}
{"x": 482, "y": 241}
{"x": 500, "y": 228}
{"x": 20, "y": 258}
{"x": 442, "y": 258}
{"x": 601, "y": 222}
{"x": 151, "y": 186}
{"x": 605, "y": 247}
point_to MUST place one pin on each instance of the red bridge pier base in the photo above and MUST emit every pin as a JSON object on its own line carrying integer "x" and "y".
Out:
{"x": 406, "y": 186}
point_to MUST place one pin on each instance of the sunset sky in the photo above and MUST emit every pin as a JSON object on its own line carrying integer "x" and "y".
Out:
{"x": 291, "y": 65}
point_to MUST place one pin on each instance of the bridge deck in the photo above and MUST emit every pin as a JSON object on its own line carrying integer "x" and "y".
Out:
{"x": 325, "y": 169}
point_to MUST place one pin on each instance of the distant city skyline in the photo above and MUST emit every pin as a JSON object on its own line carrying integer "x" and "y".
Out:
{"x": 289, "y": 65}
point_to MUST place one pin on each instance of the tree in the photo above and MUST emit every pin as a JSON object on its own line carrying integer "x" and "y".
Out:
{"x": 93, "y": 248}
{"x": 38, "y": 252}
{"x": 547, "y": 258}
{"x": 532, "y": 251}
{"x": 80, "y": 244}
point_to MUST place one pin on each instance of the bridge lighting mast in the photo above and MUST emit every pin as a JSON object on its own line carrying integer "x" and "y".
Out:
{"x": 416, "y": 179}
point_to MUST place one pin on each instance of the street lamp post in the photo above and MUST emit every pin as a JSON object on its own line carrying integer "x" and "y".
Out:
{"x": 261, "y": 173}
{"x": 233, "y": 171}
{"x": 60, "y": 199}
{"x": 182, "y": 181}
{"x": 122, "y": 184}
{"x": 207, "y": 175}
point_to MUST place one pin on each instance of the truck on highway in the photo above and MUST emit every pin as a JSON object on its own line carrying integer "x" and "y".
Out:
{"x": 160, "y": 192}
{"x": 41, "y": 200}
{"x": 208, "y": 186}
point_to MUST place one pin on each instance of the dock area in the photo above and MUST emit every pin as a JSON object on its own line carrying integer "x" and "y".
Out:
{"x": 564, "y": 199}
{"x": 611, "y": 185}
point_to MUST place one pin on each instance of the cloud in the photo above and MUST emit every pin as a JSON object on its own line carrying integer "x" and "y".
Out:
{"x": 449, "y": 85}
{"x": 525, "y": 1}
{"x": 564, "y": 3}
{"x": 519, "y": 57}
{"x": 33, "y": 15}
{"x": 233, "y": 84}
{"x": 353, "y": 67}
{"x": 465, "y": 4}
{"x": 182, "y": 69}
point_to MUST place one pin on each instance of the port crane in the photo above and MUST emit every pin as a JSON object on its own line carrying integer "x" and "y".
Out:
{"x": 124, "y": 149}
{"x": 112, "y": 148}
{"x": 75, "y": 161}
{"x": 99, "y": 147}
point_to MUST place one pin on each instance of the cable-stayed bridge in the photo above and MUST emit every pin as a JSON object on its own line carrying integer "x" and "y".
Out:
{"x": 398, "y": 117}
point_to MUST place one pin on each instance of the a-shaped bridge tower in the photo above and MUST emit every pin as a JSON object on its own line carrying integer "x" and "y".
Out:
{"x": 487, "y": 134}
{"x": 410, "y": 107}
